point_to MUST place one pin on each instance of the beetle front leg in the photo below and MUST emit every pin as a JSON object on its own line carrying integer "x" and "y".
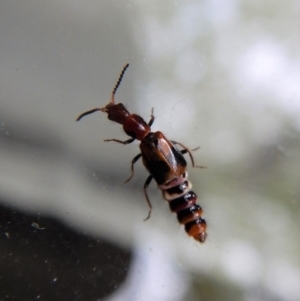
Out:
{"x": 151, "y": 118}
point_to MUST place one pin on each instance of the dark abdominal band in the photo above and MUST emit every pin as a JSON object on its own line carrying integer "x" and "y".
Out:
{"x": 182, "y": 201}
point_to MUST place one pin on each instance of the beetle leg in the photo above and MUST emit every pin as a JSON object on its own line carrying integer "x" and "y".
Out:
{"x": 119, "y": 141}
{"x": 149, "y": 179}
{"x": 152, "y": 118}
{"x": 187, "y": 150}
{"x": 132, "y": 169}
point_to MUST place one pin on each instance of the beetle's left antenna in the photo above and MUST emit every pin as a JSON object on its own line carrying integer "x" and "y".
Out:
{"x": 112, "y": 100}
{"x": 87, "y": 113}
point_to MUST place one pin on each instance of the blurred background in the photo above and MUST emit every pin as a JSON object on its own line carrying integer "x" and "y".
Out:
{"x": 222, "y": 75}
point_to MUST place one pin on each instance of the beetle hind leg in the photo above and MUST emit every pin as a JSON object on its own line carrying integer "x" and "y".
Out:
{"x": 149, "y": 179}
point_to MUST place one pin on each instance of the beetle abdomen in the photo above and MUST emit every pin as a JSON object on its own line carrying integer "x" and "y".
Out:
{"x": 182, "y": 201}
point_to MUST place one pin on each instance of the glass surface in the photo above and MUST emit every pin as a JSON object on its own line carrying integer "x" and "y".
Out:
{"x": 222, "y": 75}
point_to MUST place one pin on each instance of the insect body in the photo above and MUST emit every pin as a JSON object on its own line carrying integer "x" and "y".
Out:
{"x": 164, "y": 162}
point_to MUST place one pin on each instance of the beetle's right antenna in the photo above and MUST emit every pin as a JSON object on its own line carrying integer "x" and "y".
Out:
{"x": 112, "y": 100}
{"x": 118, "y": 84}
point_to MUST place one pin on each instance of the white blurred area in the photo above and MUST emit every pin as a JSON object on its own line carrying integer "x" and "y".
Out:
{"x": 222, "y": 75}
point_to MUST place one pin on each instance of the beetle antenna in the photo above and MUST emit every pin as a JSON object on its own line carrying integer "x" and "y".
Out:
{"x": 118, "y": 84}
{"x": 87, "y": 113}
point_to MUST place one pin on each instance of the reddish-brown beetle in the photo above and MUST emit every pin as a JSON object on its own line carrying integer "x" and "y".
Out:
{"x": 164, "y": 162}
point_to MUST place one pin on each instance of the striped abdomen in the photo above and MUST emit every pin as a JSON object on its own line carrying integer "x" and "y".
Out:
{"x": 182, "y": 201}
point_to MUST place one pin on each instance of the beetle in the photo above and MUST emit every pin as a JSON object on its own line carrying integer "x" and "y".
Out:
{"x": 164, "y": 162}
